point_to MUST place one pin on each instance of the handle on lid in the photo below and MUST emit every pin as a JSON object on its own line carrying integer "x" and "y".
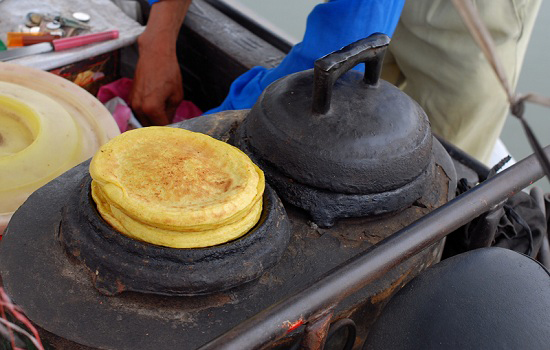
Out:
{"x": 81, "y": 40}
{"x": 329, "y": 68}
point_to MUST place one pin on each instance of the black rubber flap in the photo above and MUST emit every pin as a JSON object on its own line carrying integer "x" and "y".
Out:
{"x": 490, "y": 298}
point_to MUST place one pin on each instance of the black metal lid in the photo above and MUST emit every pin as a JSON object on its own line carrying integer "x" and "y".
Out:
{"x": 340, "y": 130}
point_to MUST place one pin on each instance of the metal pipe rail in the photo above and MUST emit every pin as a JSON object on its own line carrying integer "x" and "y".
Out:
{"x": 314, "y": 301}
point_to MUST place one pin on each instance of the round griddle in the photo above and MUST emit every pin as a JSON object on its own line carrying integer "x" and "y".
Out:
{"x": 118, "y": 263}
{"x": 57, "y": 293}
{"x": 340, "y": 143}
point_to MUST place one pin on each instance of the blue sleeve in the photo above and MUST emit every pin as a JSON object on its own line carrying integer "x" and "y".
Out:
{"x": 330, "y": 26}
{"x": 151, "y": 2}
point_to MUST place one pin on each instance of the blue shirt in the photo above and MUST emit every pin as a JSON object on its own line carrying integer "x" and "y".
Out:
{"x": 330, "y": 26}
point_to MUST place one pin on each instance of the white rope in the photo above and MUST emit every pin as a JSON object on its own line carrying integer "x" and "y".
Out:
{"x": 481, "y": 35}
{"x": 538, "y": 99}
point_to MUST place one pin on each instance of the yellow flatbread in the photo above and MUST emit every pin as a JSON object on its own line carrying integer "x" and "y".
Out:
{"x": 176, "y": 188}
{"x": 178, "y": 238}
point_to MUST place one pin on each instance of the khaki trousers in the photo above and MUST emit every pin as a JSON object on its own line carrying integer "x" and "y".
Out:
{"x": 435, "y": 60}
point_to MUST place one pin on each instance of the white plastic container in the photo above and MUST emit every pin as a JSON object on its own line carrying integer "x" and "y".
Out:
{"x": 47, "y": 126}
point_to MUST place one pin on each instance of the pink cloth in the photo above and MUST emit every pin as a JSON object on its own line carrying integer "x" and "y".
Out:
{"x": 119, "y": 88}
{"x": 186, "y": 110}
{"x": 122, "y": 87}
{"x": 122, "y": 116}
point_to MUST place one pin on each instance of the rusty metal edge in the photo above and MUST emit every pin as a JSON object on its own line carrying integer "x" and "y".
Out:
{"x": 349, "y": 277}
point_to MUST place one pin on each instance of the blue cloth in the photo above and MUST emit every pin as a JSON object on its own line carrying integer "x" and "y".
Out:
{"x": 330, "y": 26}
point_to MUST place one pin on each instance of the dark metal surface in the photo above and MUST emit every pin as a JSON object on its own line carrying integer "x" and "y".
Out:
{"x": 57, "y": 294}
{"x": 329, "y": 68}
{"x": 339, "y": 143}
{"x": 325, "y": 206}
{"x": 469, "y": 163}
{"x": 373, "y": 264}
{"x": 118, "y": 263}
{"x": 373, "y": 139}
{"x": 316, "y": 332}
{"x": 342, "y": 332}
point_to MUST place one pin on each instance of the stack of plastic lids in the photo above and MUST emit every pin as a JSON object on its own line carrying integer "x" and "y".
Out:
{"x": 176, "y": 188}
{"x": 47, "y": 126}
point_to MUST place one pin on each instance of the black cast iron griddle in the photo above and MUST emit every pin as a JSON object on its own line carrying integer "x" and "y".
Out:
{"x": 57, "y": 293}
{"x": 338, "y": 143}
{"x": 119, "y": 263}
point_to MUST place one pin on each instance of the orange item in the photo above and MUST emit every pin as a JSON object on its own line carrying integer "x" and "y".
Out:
{"x": 16, "y": 39}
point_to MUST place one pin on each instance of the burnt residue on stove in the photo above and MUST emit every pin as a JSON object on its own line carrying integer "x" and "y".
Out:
{"x": 119, "y": 263}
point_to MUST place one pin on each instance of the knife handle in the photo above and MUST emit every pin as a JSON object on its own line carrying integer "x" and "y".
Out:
{"x": 36, "y": 39}
{"x": 75, "y": 41}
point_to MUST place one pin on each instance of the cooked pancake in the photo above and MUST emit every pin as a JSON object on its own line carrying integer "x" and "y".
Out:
{"x": 176, "y": 188}
{"x": 177, "y": 238}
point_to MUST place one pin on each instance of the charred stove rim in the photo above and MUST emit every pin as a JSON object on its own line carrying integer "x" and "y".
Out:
{"x": 325, "y": 207}
{"x": 119, "y": 263}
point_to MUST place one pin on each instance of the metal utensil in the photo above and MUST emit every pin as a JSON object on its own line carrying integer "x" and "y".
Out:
{"x": 58, "y": 45}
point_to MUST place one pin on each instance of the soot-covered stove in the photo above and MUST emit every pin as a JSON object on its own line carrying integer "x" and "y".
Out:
{"x": 87, "y": 286}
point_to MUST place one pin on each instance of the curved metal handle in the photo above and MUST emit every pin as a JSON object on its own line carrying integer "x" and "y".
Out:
{"x": 329, "y": 68}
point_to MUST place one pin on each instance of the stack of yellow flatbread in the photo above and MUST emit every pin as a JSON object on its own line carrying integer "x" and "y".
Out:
{"x": 176, "y": 188}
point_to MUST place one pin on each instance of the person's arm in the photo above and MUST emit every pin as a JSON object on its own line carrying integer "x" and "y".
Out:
{"x": 330, "y": 26}
{"x": 157, "y": 88}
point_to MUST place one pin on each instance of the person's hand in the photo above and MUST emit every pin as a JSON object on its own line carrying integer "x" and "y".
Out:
{"x": 157, "y": 89}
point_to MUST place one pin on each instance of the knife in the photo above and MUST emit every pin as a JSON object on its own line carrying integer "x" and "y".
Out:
{"x": 58, "y": 45}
